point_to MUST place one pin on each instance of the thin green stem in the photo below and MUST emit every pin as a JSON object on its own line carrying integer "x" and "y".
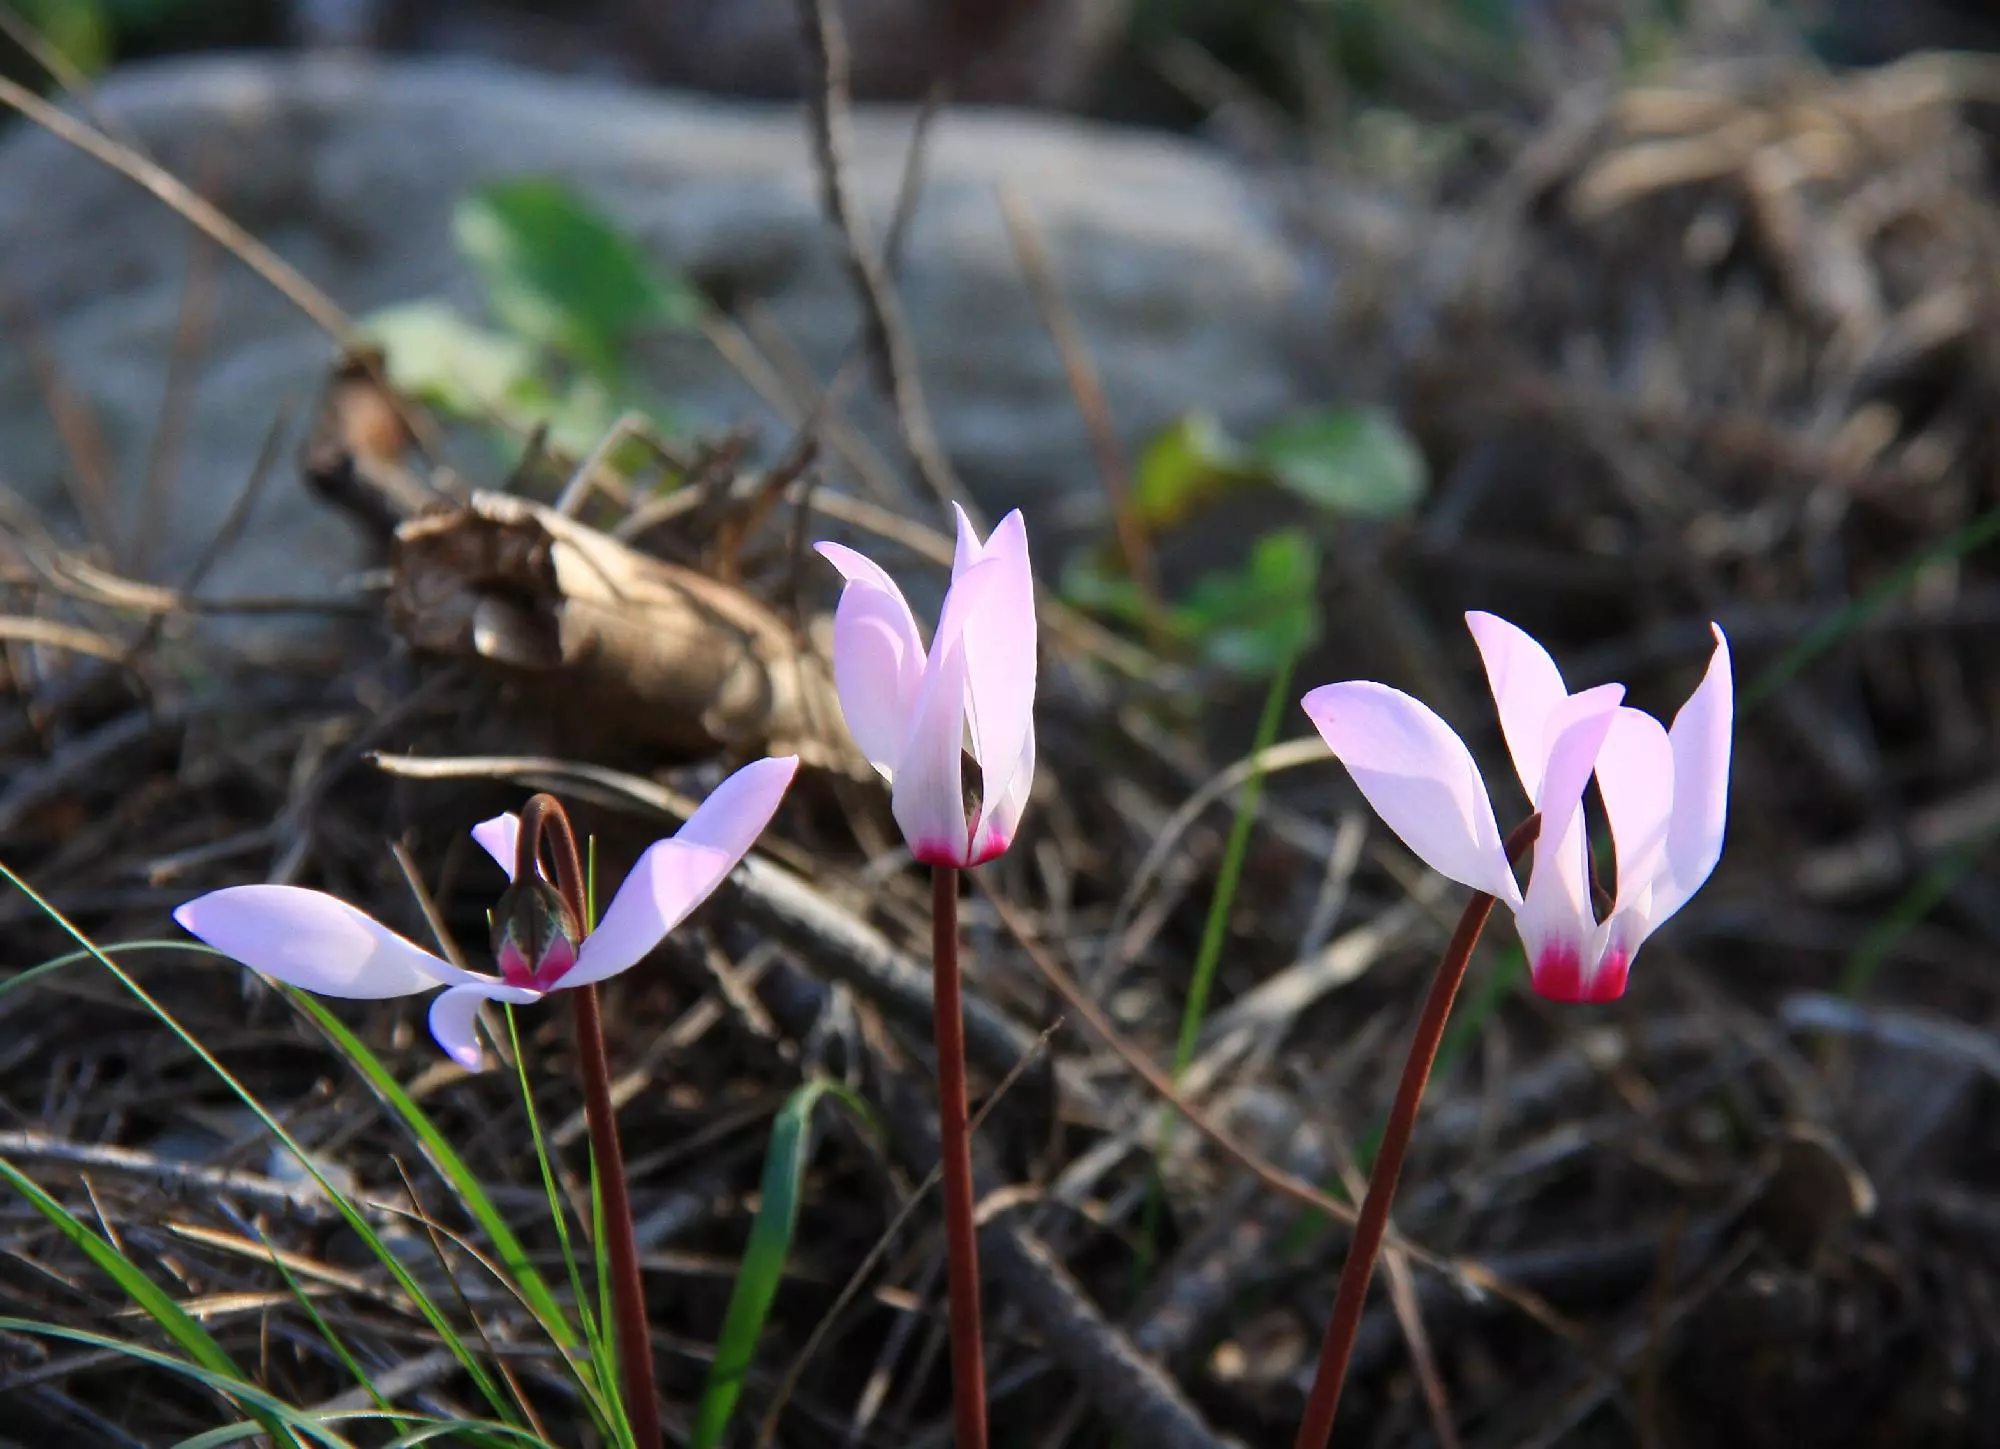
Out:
{"x": 1214, "y": 931}
{"x": 1229, "y": 877}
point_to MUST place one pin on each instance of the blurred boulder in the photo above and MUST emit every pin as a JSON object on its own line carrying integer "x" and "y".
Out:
{"x": 1183, "y": 280}
{"x": 1869, "y": 31}
{"x": 1016, "y": 52}
{"x": 1035, "y": 52}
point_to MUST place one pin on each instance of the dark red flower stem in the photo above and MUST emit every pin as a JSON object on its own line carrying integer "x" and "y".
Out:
{"x": 543, "y": 818}
{"x": 968, "y": 1354}
{"x": 1373, "y": 1223}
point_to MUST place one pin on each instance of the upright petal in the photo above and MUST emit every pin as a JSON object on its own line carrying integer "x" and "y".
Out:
{"x": 737, "y": 811}
{"x": 1701, "y": 741}
{"x": 1557, "y": 920}
{"x": 1635, "y": 774}
{"x": 928, "y": 798}
{"x": 1526, "y": 686}
{"x": 676, "y": 875}
{"x": 1420, "y": 779}
{"x": 1000, "y": 818}
{"x": 670, "y": 879}
{"x": 992, "y": 610}
{"x": 878, "y": 656}
{"x": 500, "y": 838}
{"x": 968, "y": 550}
{"x": 1573, "y": 738}
{"x": 313, "y": 940}
{"x": 455, "y": 1014}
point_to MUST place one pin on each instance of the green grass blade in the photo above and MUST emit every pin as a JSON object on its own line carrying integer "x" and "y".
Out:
{"x": 1823, "y": 636}
{"x": 1214, "y": 930}
{"x": 763, "y": 1267}
{"x": 534, "y": 1289}
{"x": 259, "y": 1402}
{"x": 1924, "y": 895}
{"x": 1230, "y": 876}
{"x": 217, "y": 1438}
{"x": 21, "y": 980}
{"x": 600, "y": 1265}
{"x": 174, "y": 1320}
{"x": 602, "y": 1368}
{"x": 326, "y": 1330}
{"x": 352, "y": 1215}
{"x": 424, "y": 1431}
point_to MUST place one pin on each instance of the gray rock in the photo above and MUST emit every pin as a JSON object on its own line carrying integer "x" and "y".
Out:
{"x": 1183, "y": 280}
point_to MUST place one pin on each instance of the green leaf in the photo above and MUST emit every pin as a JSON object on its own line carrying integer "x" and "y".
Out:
{"x": 1346, "y": 460}
{"x": 1088, "y": 585}
{"x": 785, "y": 1163}
{"x": 1266, "y": 613}
{"x": 558, "y": 273}
{"x": 78, "y": 30}
{"x": 1186, "y": 467}
{"x": 438, "y": 357}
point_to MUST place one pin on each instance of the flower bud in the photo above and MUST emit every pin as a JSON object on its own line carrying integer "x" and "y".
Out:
{"x": 535, "y": 937}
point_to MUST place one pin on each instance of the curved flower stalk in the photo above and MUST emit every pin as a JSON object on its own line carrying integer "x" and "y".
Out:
{"x": 916, "y": 714}
{"x": 310, "y": 939}
{"x": 1665, "y": 793}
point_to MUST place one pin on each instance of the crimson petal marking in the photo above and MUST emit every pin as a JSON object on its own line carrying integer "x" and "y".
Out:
{"x": 1556, "y": 918}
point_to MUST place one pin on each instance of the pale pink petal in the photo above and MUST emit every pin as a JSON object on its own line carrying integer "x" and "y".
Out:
{"x": 500, "y": 838}
{"x": 1573, "y": 737}
{"x": 313, "y": 940}
{"x": 999, "y": 819}
{"x": 878, "y": 656}
{"x": 1635, "y": 775}
{"x": 676, "y": 875}
{"x": 647, "y": 906}
{"x": 1420, "y": 779}
{"x": 968, "y": 550}
{"x": 1526, "y": 687}
{"x": 992, "y": 610}
{"x": 1557, "y": 920}
{"x": 928, "y": 799}
{"x": 1701, "y": 741}
{"x": 455, "y": 1018}
{"x": 737, "y": 810}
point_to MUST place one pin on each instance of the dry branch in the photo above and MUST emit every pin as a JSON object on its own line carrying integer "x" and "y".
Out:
{"x": 630, "y": 649}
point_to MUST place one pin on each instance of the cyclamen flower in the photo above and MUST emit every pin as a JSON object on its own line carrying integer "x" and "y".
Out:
{"x": 915, "y": 716}
{"x": 1665, "y": 795}
{"x": 310, "y": 939}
